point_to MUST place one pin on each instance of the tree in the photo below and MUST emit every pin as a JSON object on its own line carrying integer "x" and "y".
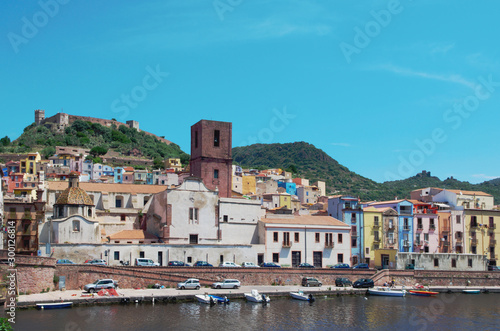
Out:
{"x": 98, "y": 150}
{"x": 5, "y": 141}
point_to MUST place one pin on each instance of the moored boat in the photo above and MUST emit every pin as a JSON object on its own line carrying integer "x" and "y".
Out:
{"x": 302, "y": 296}
{"x": 423, "y": 293}
{"x": 255, "y": 296}
{"x": 387, "y": 291}
{"x": 471, "y": 291}
{"x": 55, "y": 305}
{"x": 211, "y": 299}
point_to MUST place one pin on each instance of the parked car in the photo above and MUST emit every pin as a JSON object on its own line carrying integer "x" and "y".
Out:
{"x": 64, "y": 261}
{"x": 229, "y": 265}
{"x": 202, "y": 264}
{"x": 270, "y": 265}
{"x": 249, "y": 265}
{"x": 363, "y": 282}
{"x": 306, "y": 265}
{"x": 310, "y": 281}
{"x": 493, "y": 268}
{"x": 100, "y": 284}
{"x": 227, "y": 283}
{"x": 191, "y": 283}
{"x": 142, "y": 262}
{"x": 178, "y": 264}
{"x": 96, "y": 262}
{"x": 343, "y": 282}
{"x": 361, "y": 266}
{"x": 341, "y": 266}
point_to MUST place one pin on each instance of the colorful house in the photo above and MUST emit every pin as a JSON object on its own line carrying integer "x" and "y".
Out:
{"x": 425, "y": 225}
{"x": 481, "y": 231}
{"x": 29, "y": 165}
{"x": 290, "y": 187}
{"x": 348, "y": 210}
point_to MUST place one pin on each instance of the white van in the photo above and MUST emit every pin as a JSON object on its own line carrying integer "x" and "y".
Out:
{"x": 145, "y": 262}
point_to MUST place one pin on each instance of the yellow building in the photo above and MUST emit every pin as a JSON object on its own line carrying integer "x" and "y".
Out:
{"x": 372, "y": 233}
{"x": 173, "y": 163}
{"x": 248, "y": 185}
{"x": 29, "y": 165}
{"x": 385, "y": 258}
{"x": 481, "y": 231}
{"x": 286, "y": 200}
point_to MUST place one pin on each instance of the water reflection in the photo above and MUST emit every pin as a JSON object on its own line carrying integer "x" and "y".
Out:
{"x": 479, "y": 312}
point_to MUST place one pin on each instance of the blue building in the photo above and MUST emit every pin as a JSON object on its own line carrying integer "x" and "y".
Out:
{"x": 405, "y": 222}
{"x": 348, "y": 210}
{"x": 290, "y": 187}
{"x": 118, "y": 172}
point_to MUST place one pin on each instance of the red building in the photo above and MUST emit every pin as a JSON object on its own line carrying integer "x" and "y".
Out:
{"x": 211, "y": 157}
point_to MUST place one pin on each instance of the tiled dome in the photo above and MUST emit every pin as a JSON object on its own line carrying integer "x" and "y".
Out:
{"x": 74, "y": 196}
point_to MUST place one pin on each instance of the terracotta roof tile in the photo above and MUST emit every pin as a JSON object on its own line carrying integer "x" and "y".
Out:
{"x": 132, "y": 234}
{"x": 105, "y": 187}
{"x": 306, "y": 220}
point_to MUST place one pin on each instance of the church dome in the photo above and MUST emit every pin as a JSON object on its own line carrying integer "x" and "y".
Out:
{"x": 74, "y": 195}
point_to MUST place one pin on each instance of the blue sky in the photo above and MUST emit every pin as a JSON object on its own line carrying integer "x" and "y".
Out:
{"x": 387, "y": 88}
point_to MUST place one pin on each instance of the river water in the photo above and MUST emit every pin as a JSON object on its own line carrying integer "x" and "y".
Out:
{"x": 443, "y": 312}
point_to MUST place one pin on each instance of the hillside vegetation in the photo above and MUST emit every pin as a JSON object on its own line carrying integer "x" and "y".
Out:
{"x": 309, "y": 162}
{"x": 94, "y": 136}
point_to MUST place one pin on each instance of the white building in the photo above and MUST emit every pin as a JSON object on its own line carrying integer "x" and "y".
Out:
{"x": 318, "y": 240}
{"x": 238, "y": 220}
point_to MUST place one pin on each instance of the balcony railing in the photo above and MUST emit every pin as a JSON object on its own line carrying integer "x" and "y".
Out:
{"x": 329, "y": 244}
{"x": 406, "y": 243}
{"x": 420, "y": 227}
{"x": 390, "y": 241}
{"x": 445, "y": 243}
{"x": 459, "y": 243}
{"x": 432, "y": 227}
{"x": 406, "y": 228}
{"x": 376, "y": 225}
{"x": 287, "y": 244}
{"x": 473, "y": 242}
{"x": 376, "y": 239}
{"x": 493, "y": 242}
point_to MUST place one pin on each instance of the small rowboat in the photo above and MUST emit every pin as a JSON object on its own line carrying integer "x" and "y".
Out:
{"x": 471, "y": 291}
{"x": 423, "y": 293}
{"x": 56, "y": 305}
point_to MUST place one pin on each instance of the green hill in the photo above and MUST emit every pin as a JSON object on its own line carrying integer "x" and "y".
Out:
{"x": 89, "y": 135}
{"x": 312, "y": 163}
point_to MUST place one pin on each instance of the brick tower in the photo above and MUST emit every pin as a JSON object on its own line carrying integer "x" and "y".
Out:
{"x": 211, "y": 157}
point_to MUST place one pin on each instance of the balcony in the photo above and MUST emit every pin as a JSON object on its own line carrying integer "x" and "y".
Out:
{"x": 473, "y": 242}
{"x": 390, "y": 241}
{"x": 406, "y": 243}
{"x": 376, "y": 239}
{"x": 420, "y": 227}
{"x": 459, "y": 243}
{"x": 391, "y": 227}
{"x": 329, "y": 244}
{"x": 287, "y": 244}
{"x": 473, "y": 224}
{"x": 432, "y": 227}
{"x": 445, "y": 243}
{"x": 493, "y": 242}
{"x": 376, "y": 225}
{"x": 406, "y": 228}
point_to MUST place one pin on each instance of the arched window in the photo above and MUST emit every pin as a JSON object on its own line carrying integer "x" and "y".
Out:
{"x": 89, "y": 212}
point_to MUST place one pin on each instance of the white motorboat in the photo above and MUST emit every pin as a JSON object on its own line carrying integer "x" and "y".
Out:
{"x": 211, "y": 299}
{"x": 255, "y": 296}
{"x": 387, "y": 291}
{"x": 302, "y": 296}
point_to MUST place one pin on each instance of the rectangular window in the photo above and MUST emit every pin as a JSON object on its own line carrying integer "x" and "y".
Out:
{"x": 417, "y": 239}
{"x": 469, "y": 263}
{"x": 193, "y": 239}
{"x": 492, "y": 223}
{"x": 375, "y": 221}
{"x": 329, "y": 239}
{"x": 473, "y": 250}
{"x": 354, "y": 242}
{"x": 406, "y": 224}
{"x": 340, "y": 258}
{"x": 286, "y": 238}
{"x": 339, "y": 238}
{"x": 141, "y": 254}
{"x": 193, "y": 216}
{"x": 275, "y": 237}
{"x": 216, "y": 138}
{"x": 436, "y": 262}
{"x": 117, "y": 255}
{"x": 276, "y": 257}
{"x": 76, "y": 226}
{"x": 426, "y": 236}
{"x": 225, "y": 218}
{"x": 376, "y": 237}
{"x": 419, "y": 223}
{"x": 296, "y": 237}
{"x": 317, "y": 237}
{"x": 390, "y": 238}
{"x": 118, "y": 203}
{"x": 458, "y": 219}
{"x": 367, "y": 250}
{"x": 216, "y": 173}
{"x": 473, "y": 221}
{"x": 122, "y": 218}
